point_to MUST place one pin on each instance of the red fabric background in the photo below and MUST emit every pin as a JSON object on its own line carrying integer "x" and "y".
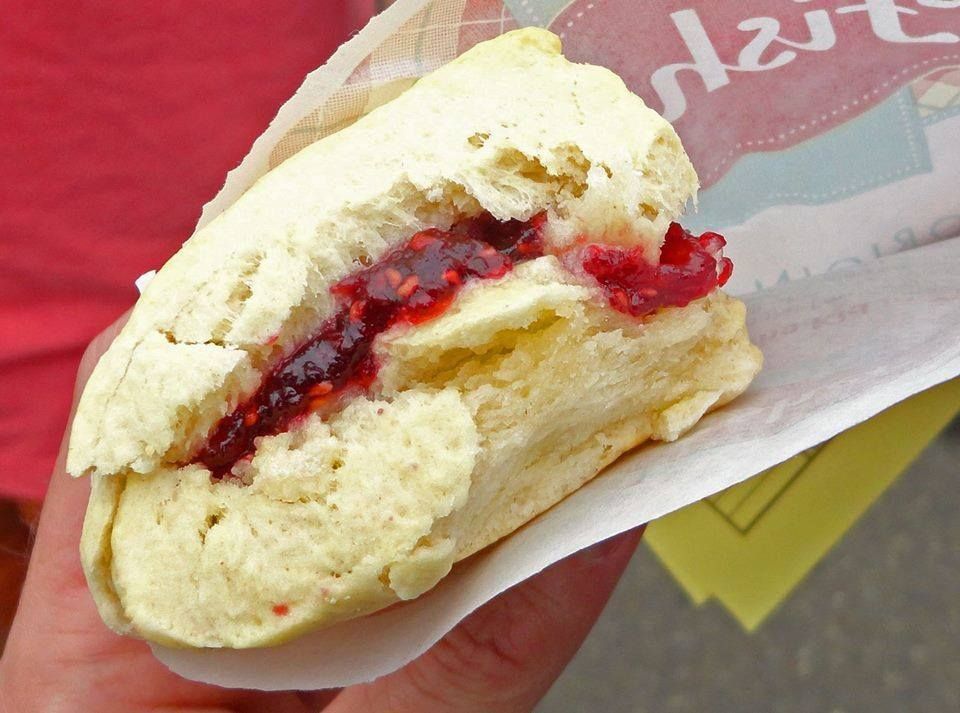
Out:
{"x": 119, "y": 121}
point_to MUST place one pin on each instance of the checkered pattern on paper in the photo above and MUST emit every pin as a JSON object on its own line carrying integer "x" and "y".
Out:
{"x": 436, "y": 34}
{"x": 937, "y": 91}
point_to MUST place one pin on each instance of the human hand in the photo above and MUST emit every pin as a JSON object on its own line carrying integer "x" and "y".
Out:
{"x": 60, "y": 657}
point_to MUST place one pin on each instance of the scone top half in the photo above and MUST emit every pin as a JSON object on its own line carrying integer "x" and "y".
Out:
{"x": 511, "y": 127}
{"x": 341, "y": 513}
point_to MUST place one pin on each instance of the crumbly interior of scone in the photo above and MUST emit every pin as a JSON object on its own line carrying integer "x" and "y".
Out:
{"x": 529, "y": 375}
{"x": 559, "y": 385}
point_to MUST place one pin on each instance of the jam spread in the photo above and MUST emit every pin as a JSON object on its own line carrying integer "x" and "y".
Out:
{"x": 416, "y": 282}
{"x": 412, "y": 283}
{"x": 689, "y": 268}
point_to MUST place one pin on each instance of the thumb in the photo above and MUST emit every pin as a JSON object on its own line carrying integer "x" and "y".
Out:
{"x": 506, "y": 655}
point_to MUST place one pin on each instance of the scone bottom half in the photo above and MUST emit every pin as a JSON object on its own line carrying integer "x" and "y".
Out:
{"x": 482, "y": 344}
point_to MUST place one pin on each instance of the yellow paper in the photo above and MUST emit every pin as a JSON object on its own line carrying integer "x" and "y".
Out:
{"x": 751, "y": 544}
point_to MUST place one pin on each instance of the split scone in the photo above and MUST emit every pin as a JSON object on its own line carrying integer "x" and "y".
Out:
{"x": 398, "y": 347}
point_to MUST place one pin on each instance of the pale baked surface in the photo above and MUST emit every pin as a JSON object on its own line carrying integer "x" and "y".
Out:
{"x": 510, "y": 127}
{"x": 521, "y": 392}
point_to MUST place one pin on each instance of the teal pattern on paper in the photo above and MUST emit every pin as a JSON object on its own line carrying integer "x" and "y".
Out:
{"x": 535, "y": 12}
{"x": 882, "y": 146}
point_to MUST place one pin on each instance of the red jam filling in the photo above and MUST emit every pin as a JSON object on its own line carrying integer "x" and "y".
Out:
{"x": 412, "y": 283}
{"x": 416, "y": 282}
{"x": 689, "y": 269}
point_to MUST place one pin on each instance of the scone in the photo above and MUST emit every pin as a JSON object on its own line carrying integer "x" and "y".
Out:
{"x": 396, "y": 348}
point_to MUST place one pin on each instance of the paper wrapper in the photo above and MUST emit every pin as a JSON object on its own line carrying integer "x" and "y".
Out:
{"x": 826, "y": 138}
